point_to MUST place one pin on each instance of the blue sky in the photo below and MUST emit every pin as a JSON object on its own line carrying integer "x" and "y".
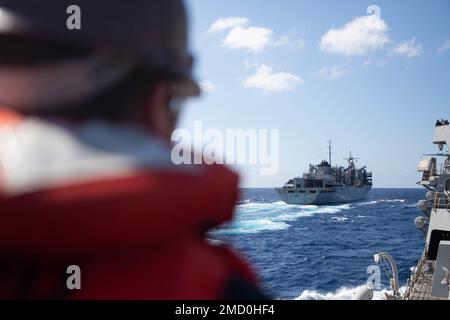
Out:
{"x": 320, "y": 70}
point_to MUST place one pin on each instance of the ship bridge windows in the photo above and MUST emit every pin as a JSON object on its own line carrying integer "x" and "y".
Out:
{"x": 447, "y": 185}
{"x": 314, "y": 183}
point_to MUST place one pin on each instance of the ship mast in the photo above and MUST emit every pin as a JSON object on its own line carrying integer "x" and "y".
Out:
{"x": 329, "y": 152}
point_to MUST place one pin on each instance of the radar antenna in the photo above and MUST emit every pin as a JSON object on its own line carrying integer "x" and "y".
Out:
{"x": 350, "y": 158}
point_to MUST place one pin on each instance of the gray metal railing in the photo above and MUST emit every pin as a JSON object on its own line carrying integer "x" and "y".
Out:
{"x": 441, "y": 200}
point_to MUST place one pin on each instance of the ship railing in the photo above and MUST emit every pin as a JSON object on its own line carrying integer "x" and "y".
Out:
{"x": 441, "y": 200}
{"x": 415, "y": 276}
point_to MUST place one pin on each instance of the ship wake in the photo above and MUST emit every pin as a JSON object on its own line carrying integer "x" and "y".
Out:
{"x": 253, "y": 217}
{"x": 343, "y": 293}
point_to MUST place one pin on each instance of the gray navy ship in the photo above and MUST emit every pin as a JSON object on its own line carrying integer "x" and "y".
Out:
{"x": 325, "y": 184}
{"x": 430, "y": 278}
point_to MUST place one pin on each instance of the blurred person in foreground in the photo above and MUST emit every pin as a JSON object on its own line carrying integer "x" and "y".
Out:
{"x": 86, "y": 176}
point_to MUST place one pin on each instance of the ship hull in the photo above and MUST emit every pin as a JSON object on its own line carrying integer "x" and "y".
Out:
{"x": 322, "y": 197}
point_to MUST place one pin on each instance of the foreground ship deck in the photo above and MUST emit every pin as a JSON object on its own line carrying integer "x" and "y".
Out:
{"x": 421, "y": 282}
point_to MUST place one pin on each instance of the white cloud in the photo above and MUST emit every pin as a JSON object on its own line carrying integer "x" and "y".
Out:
{"x": 255, "y": 39}
{"x": 333, "y": 72}
{"x": 321, "y": 73}
{"x": 376, "y": 62}
{"x": 445, "y": 46}
{"x": 266, "y": 79}
{"x": 222, "y": 24}
{"x": 408, "y": 49}
{"x": 290, "y": 41}
{"x": 207, "y": 86}
{"x": 241, "y": 35}
{"x": 357, "y": 37}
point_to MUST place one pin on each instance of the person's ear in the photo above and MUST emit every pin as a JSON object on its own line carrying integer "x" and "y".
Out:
{"x": 157, "y": 115}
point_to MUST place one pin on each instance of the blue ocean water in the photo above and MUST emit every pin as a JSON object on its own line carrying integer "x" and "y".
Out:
{"x": 320, "y": 252}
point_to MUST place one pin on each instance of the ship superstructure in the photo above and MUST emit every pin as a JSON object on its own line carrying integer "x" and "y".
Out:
{"x": 430, "y": 279}
{"x": 325, "y": 184}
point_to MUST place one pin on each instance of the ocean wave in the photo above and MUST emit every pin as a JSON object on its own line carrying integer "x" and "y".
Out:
{"x": 272, "y": 205}
{"x": 255, "y": 217}
{"x": 333, "y": 209}
{"x": 253, "y": 226}
{"x": 302, "y": 247}
{"x": 369, "y": 203}
{"x": 344, "y": 293}
{"x": 382, "y": 201}
{"x": 340, "y": 219}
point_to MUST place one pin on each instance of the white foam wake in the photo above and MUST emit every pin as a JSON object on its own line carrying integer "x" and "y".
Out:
{"x": 339, "y": 219}
{"x": 343, "y": 293}
{"x": 253, "y": 217}
{"x": 382, "y": 201}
